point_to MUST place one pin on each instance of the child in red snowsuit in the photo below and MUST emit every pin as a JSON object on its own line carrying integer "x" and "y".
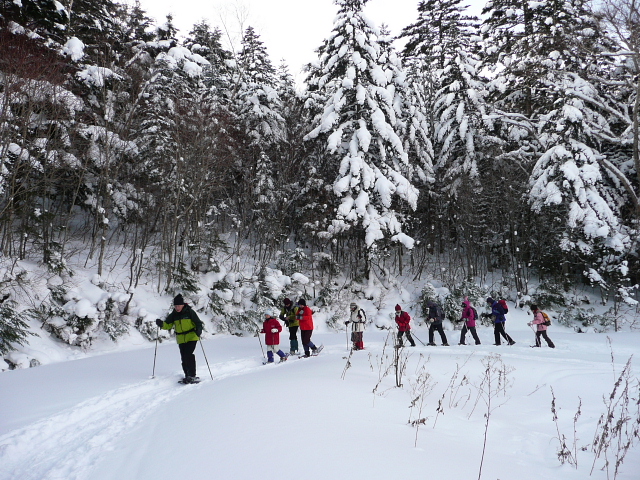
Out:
{"x": 403, "y": 319}
{"x": 271, "y": 329}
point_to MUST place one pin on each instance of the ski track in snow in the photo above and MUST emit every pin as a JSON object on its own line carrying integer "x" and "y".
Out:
{"x": 66, "y": 446}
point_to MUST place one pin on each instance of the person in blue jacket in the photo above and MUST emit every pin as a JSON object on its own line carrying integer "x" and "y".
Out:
{"x": 497, "y": 313}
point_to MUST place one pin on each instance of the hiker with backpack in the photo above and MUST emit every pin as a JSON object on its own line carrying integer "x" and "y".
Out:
{"x": 188, "y": 329}
{"x": 542, "y": 321}
{"x": 357, "y": 321}
{"x": 271, "y": 328}
{"x": 402, "y": 320}
{"x": 288, "y": 316}
{"x": 304, "y": 316}
{"x": 435, "y": 318}
{"x": 498, "y": 317}
{"x": 469, "y": 317}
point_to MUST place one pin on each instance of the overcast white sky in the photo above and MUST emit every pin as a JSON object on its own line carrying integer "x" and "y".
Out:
{"x": 290, "y": 29}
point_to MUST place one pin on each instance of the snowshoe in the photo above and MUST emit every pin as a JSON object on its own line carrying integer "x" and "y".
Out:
{"x": 317, "y": 350}
{"x": 189, "y": 380}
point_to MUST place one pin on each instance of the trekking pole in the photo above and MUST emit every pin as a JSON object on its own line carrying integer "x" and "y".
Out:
{"x": 205, "y": 359}
{"x": 416, "y": 337}
{"x": 155, "y": 353}
{"x": 260, "y": 340}
{"x": 346, "y": 331}
{"x": 535, "y": 337}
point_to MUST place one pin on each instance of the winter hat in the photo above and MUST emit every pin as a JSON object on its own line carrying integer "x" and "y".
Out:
{"x": 489, "y": 300}
{"x": 178, "y": 300}
{"x": 302, "y": 302}
{"x": 353, "y": 305}
{"x": 287, "y": 301}
{"x": 533, "y": 307}
{"x": 398, "y": 308}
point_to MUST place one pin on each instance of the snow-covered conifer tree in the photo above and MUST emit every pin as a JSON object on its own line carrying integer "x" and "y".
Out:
{"x": 554, "y": 119}
{"x": 360, "y": 126}
{"x": 442, "y": 44}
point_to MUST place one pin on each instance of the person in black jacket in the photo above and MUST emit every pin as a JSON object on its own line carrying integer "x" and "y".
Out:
{"x": 188, "y": 328}
{"x": 436, "y": 315}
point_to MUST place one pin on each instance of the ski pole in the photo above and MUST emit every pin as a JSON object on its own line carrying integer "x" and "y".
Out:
{"x": 414, "y": 335}
{"x": 205, "y": 359}
{"x": 535, "y": 336}
{"x": 260, "y": 340}
{"x": 346, "y": 331}
{"x": 155, "y": 353}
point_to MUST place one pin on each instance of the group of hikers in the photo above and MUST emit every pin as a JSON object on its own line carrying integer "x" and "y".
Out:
{"x": 188, "y": 328}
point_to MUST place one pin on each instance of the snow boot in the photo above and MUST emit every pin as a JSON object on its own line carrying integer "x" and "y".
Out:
{"x": 283, "y": 356}
{"x": 269, "y": 357}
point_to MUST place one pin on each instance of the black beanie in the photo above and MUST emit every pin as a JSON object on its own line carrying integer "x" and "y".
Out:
{"x": 302, "y": 302}
{"x": 178, "y": 300}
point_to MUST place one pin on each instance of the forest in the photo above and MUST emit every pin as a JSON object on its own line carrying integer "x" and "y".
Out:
{"x": 461, "y": 150}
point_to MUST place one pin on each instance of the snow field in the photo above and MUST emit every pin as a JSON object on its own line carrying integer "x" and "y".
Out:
{"x": 103, "y": 417}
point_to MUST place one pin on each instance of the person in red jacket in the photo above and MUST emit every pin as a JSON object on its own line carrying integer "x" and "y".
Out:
{"x": 403, "y": 319}
{"x": 304, "y": 316}
{"x": 271, "y": 329}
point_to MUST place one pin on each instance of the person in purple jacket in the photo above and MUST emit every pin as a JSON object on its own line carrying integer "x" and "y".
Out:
{"x": 497, "y": 313}
{"x": 469, "y": 318}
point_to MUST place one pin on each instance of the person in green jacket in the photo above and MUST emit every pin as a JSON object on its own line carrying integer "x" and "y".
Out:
{"x": 188, "y": 328}
{"x": 288, "y": 316}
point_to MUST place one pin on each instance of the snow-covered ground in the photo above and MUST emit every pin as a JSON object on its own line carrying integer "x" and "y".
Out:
{"x": 103, "y": 417}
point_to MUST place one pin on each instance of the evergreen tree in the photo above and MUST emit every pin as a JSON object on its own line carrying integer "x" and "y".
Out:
{"x": 442, "y": 41}
{"x": 553, "y": 120}
{"x": 47, "y": 18}
{"x": 360, "y": 124}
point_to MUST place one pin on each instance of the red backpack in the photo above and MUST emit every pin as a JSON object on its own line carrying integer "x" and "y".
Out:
{"x": 503, "y": 304}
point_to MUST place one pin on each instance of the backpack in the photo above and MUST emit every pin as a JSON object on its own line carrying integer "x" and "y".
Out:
{"x": 503, "y": 304}
{"x": 439, "y": 312}
{"x": 547, "y": 319}
{"x": 475, "y": 313}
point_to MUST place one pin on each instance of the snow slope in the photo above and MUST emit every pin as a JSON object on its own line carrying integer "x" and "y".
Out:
{"x": 103, "y": 417}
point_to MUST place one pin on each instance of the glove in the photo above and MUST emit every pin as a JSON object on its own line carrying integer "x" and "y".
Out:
{"x": 199, "y": 333}
{"x": 159, "y": 322}
{"x": 274, "y": 330}
{"x": 347, "y": 322}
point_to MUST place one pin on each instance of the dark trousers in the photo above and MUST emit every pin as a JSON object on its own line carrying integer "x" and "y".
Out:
{"x": 437, "y": 326}
{"x": 543, "y": 333}
{"x": 356, "y": 338}
{"x": 474, "y": 334}
{"x": 409, "y": 337}
{"x": 498, "y": 330}
{"x": 293, "y": 338}
{"x": 306, "y": 340}
{"x": 188, "y": 358}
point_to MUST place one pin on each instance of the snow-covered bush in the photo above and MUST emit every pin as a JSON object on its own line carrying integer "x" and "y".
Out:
{"x": 427, "y": 294}
{"x": 292, "y": 261}
{"x": 550, "y": 294}
{"x": 78, "y": 321}
{"x": 453, "y": 303}
{"x": 184, "y": 279}
{"x": 326, "y": 265}
{"x": 581, "y": 318}
{"x": 113, "y": 323}
{"x": 13, "y": 331}
{"x": 241, "y": 323}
